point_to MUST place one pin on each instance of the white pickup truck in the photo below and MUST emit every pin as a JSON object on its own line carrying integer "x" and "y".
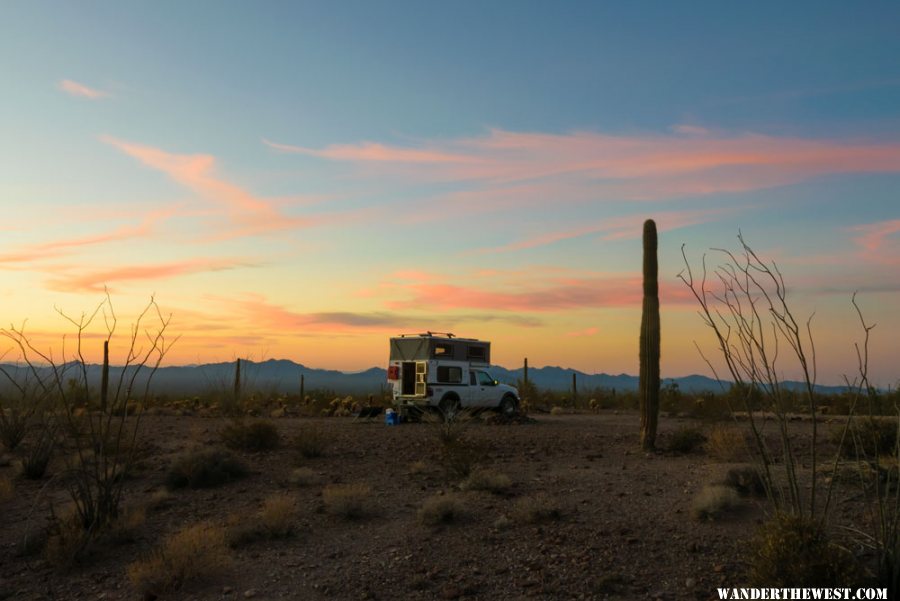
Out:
{"x": 441, "y": 371}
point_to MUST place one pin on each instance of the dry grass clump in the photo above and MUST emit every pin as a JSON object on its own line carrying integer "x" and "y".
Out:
{"x": 67, "y": 540}
{"x": 349, "y": 501}
{"x": 205, "y": 468}
{"x": 487, "y": 480}
{"x": 727, "y": 443}
{"x": 441, "y": 509}
{"x": 13, "y": 426}
{"x": 124, "y": 528}
{"x": 713, "y": 501}
{"x": 252, "y": 436}
{"x": 38, "y": 454}
{"x": 274, "y": 521}
{"x": 536, "y": 509}
{"x": 7, "y": 489}
{"x": 310, "y": 443}
{"x": 795, "y": 551}
{"x": 195, "y": 554}
{"x": 302, "y": 476}
{"x": 557, "y": 410}
{"x": 417, "y": 467}
{"x": 686, "y": 440}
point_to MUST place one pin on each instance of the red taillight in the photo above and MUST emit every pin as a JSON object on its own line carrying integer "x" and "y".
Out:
{"x": 393, "y": 372}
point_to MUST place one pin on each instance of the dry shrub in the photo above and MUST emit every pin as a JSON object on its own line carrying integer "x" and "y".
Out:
{"x": 252, "y": 436}
{"x": 746, "y": 481}
{"x": 159, "y": 499}
{"x": 310, "y": 443}
{"x": 557, "y": 410}
{"x": 13, "y": 425}
{"x": 487, "y": 480}
{"x": 441, "y": 509}
{"x": 277, "y": 516}
{"x": 349, "y": 501}
{"x": 795, "y": 551}
{"x": 7, "y": 489}
{"x": 204, "y": 468}
{"x": 536, "y": 509}
{"x": 302, "y": 476}
{"x": 195, "y": 554}
{"x": 68, "y": 542}
{"x": 868, "y": 437}
{"x": 713, "y": 501}
{"x": 38, "y": 454}
{"x": 727, "y": 443}
{"x": 686, "y": 440}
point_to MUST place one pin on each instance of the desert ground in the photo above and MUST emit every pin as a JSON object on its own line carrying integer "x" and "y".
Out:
{"x": 606, "y": 521}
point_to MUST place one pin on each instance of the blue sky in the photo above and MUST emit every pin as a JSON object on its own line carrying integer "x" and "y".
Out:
{"x": 322, "y": 175}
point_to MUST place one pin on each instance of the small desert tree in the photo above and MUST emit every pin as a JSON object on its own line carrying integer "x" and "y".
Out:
{"x": 104, "y": 430}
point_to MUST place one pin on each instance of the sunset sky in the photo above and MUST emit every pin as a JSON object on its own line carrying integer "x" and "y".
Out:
{"x": 302, "y": 180}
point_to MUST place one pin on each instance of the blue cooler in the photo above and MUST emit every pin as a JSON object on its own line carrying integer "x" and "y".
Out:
{"x": 392, "y": 418}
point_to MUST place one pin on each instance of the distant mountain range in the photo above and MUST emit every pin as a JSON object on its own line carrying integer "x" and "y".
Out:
{"x": 281, "y": 375}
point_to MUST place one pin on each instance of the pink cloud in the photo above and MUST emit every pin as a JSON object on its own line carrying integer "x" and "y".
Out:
{"x": 559, "y": 295}
{"x": 95, "y": 281}
{"x": 248, "y": 214}
{"x": 617, "y": 228}
{"x": 73, "y": 88}
{"x": 879, "y": 241}
{"x": 585, "y": 332}
{"x": 693, "y": 161}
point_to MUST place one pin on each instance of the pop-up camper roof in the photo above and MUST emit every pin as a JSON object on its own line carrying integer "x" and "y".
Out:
{"x": 437, "y": 345}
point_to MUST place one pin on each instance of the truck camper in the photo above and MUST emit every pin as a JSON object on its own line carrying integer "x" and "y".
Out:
{"x": 437, "y": 370}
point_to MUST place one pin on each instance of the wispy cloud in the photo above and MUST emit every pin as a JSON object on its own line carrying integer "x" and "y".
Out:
{"x": 617, "y": 228}
{"x": 74, "y": 88}
{"x": 689, "y": 162}
{"x": 879, "y": 241}
{"x": 247, "y": 213}
{"x": 96, "y": 281}
{"x": 57, "y": 248}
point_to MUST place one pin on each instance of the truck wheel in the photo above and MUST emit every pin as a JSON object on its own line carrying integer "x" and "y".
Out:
{"x": 449, "y": 407}
{"x": 508, "y": 406}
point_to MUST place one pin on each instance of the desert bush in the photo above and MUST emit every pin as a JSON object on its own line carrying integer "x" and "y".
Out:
{"x": 557, "y": 410}
{"x": 14, "y": 421}
{"x": 302, "y": 476}
{"x": 713, "y": 501}
{"x": 7, "y": 489}
{"x": 349, "y": 501}
{"x": 487, "y": 480}
{"x": 197, "y": 553}
{"x": 536, "y": 509}
{"x": 159, "y": 499}
{"x": 792, "y": 550}
{"x": 686, "y": 440}
{"x": 746, "y": 481}
{"x": 253, "y": 436}
{"x": 277, "y": 516}
{"x": 204, "y": 468}
{"x": 456, "y": 452}
{"x": 68, "y": 542}
{"x": 418, "y": 467}
{"x": 310, "y": 443}
{"x": 441, "y": 509}
{"x": 727, "y": 443}
{"x": 39, "y": 453}
{"x": 868, "y": 437}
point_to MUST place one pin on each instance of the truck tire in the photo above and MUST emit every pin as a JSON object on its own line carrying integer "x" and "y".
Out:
{"x": 509, "y": 406}
{"x": 449, "y": 406}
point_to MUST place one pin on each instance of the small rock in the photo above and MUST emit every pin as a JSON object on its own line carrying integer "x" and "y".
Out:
{"x": 690, "y": 583}
{"x": 250, "y": 593}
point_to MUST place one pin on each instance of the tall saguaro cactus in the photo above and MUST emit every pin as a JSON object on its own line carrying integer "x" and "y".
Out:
{"x": 649, "y": 345}
{"x": 237, "y": 380}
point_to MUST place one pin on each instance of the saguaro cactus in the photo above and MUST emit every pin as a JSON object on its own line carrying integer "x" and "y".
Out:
{"x": 649, "y": 344}
{"x": 302, "y": 388}
{"x": 574, "y": 390}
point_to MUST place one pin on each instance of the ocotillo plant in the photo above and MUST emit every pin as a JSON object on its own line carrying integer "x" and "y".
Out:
{"x": 649, "y": 344}
{"x": 104, "y": 376}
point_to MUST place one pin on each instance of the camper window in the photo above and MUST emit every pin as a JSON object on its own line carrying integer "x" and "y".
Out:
{"x": 476, "y": 353}
{"x": 443, "y": 350}
{"x": 449, "y": 374}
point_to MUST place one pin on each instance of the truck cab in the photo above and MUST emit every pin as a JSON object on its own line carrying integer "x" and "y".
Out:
{"x": 440, "y": 371}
